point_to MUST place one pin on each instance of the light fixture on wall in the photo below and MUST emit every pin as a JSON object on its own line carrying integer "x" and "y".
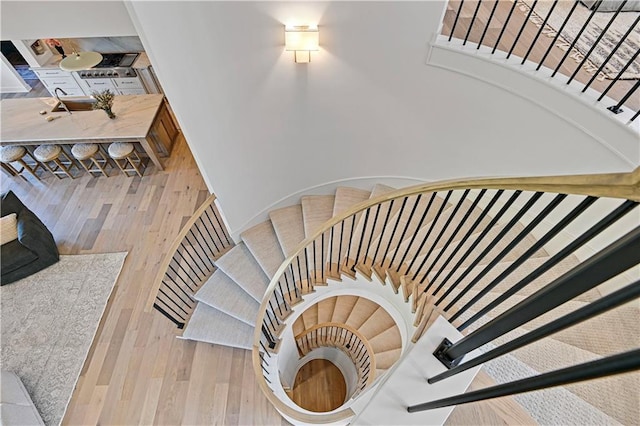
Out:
{"x": 302, "y": 40}
{"x": 80, "y": 61}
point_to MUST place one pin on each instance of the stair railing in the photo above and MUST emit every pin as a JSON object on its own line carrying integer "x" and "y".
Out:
{"x": 621, "y": 50}
{"x": 189, "y": 262}
{"x": 440, "y": 244}
{"x": 349, "y": 341}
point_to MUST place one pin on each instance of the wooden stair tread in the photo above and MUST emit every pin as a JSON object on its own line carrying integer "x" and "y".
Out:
{"x": 262, "y": 242}
{"x": 289, "y": 227}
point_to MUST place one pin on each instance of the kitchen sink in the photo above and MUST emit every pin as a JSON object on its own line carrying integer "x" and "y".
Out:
{"x": 85, "y": 104}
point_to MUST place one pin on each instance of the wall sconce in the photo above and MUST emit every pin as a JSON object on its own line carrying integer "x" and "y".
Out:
{"x": 302, "y": 39}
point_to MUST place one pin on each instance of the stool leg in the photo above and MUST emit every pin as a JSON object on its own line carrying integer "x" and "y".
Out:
{"x": 97, "y": 164}
{"x": 132, "y": 162}
{"x": 25, "y": 166}
{"x": 8, "y": 168}
{"x": 48, "y": 167}
{"x": 122, "y": 167}
{"x": 63, "y": 167}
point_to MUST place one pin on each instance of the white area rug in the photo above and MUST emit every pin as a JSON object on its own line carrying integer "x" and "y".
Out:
{"x": 587, "y": 39}
{"x": 48, "y": 321}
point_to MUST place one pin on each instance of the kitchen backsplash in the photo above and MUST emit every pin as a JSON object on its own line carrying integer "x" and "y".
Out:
{"x": 102, "y": 44}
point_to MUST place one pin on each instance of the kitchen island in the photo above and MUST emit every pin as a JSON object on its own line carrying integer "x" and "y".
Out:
{"x": 139, "y": 118}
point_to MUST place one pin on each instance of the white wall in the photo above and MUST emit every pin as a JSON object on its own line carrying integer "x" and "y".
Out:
{"x": 10, "y": 80}
{"x": 262, "y": 127}
{"x": 58, "y": 19}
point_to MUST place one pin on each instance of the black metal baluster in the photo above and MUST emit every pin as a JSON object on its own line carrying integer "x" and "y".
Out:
{"x": 393, "y": 233}
{"x": 472, "y": 228}
{"x": 215, "y": 231}
{"x": 480, "y": 238}
{"x": 331, "y": 236}
{"x": 455, "y": 22}
{"x": 207, "y": 259}
{"x": 426, "y": 237}
{"x": 206, "y": 228}
{"x": 595, "y": 43}
{"x": 516, "y": 240}
{"x": 306, "y": 264}
{"x": 524, "y": 24}
{"x": 606, "y": 303}
{"x": 222, "y": 227}
{"x": 486, "y": 27}
{"x": 608, "y": 366}
{"x": 445, "y": 246}
{"x": 490, "y": 247}
{"x": 404, "y": 231}
{"x": 619, "y": 75}
{"x": 555, "y": 38}
{"x": 384, "y": 226}
{"x": 635, "y": 115}
{"x": 321, "y": 257}
{"x": 178, "y": 323}
{"x": 364, "y": 229}
{"x": 415, "y": 233}
{"x": 473, "y": 19}
{"x": 340, "y": 245}
{"x": 315, "y": 270}
{"x": 191, "y": 262}
{"x": 353, "y": 225}
{"x": 373, "y": 228}
{"x": 588, "y": 235}
{"x": 614, "y": 259}
{"x": 270, "y": 339}
{"x": 179, "y": 276}
{"x": 570, "y": 217}
{"x": 617, "y": 109}
{"x": 575, "y": 40}
{"x": 178, "y": 296}
{"x": 613, "y": 51}
{"x": 504, "y": 27}
{"x": 535, "y": 39}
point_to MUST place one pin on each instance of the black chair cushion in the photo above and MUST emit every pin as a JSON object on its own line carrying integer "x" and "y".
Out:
{"x": 15, "y": 256}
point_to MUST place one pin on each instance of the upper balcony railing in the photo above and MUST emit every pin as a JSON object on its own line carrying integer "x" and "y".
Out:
{"x": 591, "y": 44}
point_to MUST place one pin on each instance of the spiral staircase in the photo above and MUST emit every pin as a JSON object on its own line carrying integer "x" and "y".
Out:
{"x": 392, "y": 266}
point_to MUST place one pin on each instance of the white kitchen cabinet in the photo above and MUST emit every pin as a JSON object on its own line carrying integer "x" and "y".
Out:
{"x": 128, "y": 83}
{"x": 100, "y": 84}
{"x": 55, "y": 77}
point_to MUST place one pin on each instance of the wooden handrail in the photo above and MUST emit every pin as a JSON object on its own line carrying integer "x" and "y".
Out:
{"x": 613, "y": 185}
{"x": 164, "y": 265}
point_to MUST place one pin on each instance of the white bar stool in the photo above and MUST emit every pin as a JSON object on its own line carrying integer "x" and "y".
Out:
{"x": 15, "y": 154}
{"x": 124, "y": 152}
{"x": 47, "y": 154}
{"x": 97, "y": 161}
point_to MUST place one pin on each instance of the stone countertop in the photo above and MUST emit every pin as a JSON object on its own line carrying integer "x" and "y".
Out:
{"x": 22, "y": 122}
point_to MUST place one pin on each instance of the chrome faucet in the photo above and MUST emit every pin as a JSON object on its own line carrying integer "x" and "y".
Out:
{"x": 55, "y": 92}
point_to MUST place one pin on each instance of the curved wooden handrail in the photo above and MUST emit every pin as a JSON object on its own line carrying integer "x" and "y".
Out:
{"x": 164, "y": 265}
{"x": 613, "y": 185}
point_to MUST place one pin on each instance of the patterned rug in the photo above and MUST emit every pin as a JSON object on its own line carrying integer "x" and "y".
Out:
{"x": 48, "y": 323}
{"x": 622, "y": 23}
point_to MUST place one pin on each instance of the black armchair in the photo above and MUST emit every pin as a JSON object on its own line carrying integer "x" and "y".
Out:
{"x": 35, "y": 248}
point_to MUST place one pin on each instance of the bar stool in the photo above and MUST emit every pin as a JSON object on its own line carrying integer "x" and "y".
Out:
{"x": 47, "y": 154}
{"x": 90, "y": 151}
{"x": 125, "y": 152}
{"x": 15, "y": 153}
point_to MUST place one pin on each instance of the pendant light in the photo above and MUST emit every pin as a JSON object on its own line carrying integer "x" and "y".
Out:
{"x": 80, "y": 61}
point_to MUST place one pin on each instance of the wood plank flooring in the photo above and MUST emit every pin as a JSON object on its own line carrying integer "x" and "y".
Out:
{"x": 319, "y": 386}
{"x": 137, "y": 371}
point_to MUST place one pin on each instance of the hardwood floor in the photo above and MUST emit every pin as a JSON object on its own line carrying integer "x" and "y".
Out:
{"x": 137, "y": 371}
{"x": 319, "y": 386}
